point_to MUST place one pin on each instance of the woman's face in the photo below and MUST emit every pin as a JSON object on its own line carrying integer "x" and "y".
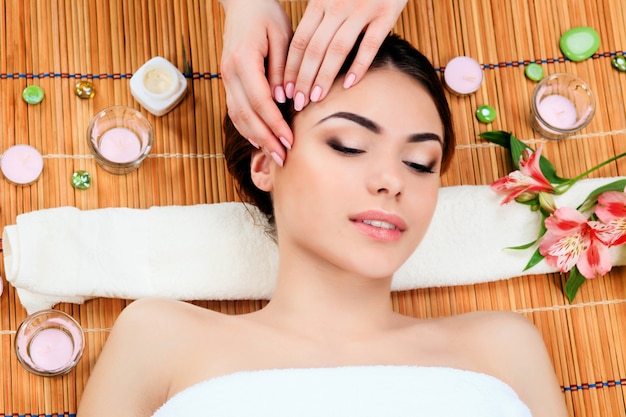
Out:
{"x": 359, "y": 187}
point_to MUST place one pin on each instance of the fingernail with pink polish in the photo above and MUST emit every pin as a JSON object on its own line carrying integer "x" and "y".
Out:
{"x": 349, "y": 80}
{"x": 277, "y": 158}
{"x": 316, "y": 94}
{"x": 253, "y": 143}
{"x": 298, "y": 101}
{"x": 289, "y": 90}
{"x": 279, "y": 94}
{"x": 284, "y": 142}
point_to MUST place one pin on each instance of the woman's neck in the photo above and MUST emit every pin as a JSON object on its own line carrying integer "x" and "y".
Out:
{"x": 324, "y": 300}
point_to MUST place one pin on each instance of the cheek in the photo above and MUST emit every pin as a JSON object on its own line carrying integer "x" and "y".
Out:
{"x": 425, "y": 203}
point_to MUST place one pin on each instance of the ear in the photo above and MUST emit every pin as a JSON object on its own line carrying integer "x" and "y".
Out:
{"x": 261, "y": 171}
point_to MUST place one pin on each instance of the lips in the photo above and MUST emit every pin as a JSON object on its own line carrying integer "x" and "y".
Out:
{"x": 380, "y": 225}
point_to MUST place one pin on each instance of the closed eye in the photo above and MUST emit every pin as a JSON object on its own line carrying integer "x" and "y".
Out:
{"x": 344, "y": 149}
{"x": 425, "y": 169}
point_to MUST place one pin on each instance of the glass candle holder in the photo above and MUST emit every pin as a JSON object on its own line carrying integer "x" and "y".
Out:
{"x": 120, "y": 138}
{"x": 49, "y": 343}
{"x": 562, "y": 104}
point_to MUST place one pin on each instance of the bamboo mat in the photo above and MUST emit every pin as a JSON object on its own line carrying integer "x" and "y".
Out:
{"x": 53, "y": 43}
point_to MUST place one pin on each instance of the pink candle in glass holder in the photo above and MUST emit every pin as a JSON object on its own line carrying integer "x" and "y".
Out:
{"x": 51, "y": 349}
{"x": 120, "y": 145}
{"x": 557, "y": 111}
{"x": 49, "y": 343}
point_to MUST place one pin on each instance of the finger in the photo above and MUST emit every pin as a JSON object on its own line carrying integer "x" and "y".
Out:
{"x": 297, "y": 47}
{"x": 312, "y": 60}
{"x": 370, "y": 44}
{"x": 255, "y": 114}
{"x": 335, "y": 56}
{"x": 276, "y": 61}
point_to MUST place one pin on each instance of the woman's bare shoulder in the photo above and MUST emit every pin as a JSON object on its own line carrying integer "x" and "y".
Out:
{"x": 148, "y": 332}
{"x": 510, "y": 347}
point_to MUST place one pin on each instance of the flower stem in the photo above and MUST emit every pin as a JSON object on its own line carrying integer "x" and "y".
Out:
{"x": 561, "y": 188}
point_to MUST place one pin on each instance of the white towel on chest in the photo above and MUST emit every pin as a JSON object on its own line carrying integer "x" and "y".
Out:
{"x": 349, "y": 391}
{"x": 222, "y": 251}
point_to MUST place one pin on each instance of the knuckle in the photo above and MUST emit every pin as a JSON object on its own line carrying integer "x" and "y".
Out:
{"x": 340, "y": 47}
{"x": 316, "y": 49}
{"x": 299, "y": 42}
{"x": 370, "y": 44}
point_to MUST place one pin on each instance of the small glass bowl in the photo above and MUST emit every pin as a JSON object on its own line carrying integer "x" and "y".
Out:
{"x": 562, "y": 104}
{"x": 49, "y": 343}
{"x": 120, "y": 138}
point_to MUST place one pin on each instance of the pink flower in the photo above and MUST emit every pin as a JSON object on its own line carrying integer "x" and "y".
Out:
{"x": 571, "y": 240}
{"x": 528, "y": 179}
{"x": 611, "y": 211}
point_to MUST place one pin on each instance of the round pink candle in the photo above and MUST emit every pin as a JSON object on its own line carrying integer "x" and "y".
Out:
{"x": 463, "y": 75}
{"x": 21, "y": 164}
{"x": 120, "y": 145}
{"x": 51, "y": 349}
{"x": 557, "y": 111}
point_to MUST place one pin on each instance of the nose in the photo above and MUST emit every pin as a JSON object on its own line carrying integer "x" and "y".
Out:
{"x": 386, "y": 179}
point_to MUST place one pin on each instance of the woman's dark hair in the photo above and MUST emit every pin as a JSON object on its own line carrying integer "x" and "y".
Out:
{"x": 393, "y": 53}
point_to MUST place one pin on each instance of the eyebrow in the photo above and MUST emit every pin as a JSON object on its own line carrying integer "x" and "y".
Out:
{"x": 374, "y": 127}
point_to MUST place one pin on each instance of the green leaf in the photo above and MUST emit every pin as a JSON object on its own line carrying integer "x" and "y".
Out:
{"x": 573, "y": 283}
{"x": 521, "y": 247}
{"x": 592, "y": 198}
{"x": 517, "y": 147}
{"x": 534, "y": 260}
{"x": 499, "y": 137}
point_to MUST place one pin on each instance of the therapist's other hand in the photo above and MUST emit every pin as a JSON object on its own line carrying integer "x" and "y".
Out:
{"x": 325, "y": 36}
{"x": 255, "y": 30}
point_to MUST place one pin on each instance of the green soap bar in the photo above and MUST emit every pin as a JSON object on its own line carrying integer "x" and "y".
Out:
{"x": 81, "y": 180}
{"x": 486, "y": 114}
{"x": 619, "y": 62}
{"x": 33, "y": 94}
{"x": 580, "y": 43}
{"x": 534, "y": 71}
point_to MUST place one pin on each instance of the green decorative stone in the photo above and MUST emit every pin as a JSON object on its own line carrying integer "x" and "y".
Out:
{"x": 619, "y": 63}
{"x": 486, "y": 114}
{"x": 81, "y": 180}
{"x": 33, "y": 94}
{"x": 84, "y": 89}
{"x": 534, "y": 71}
{"x": 580, "y": 43}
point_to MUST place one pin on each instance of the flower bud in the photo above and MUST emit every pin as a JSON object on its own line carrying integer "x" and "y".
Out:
{"x": 526, "y": 197}
{"x": 546, "y": 201}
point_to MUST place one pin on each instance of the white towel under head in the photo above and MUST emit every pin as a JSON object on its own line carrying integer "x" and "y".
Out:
{"x": 349, "y": 391}
{"x": 222, "y": 251}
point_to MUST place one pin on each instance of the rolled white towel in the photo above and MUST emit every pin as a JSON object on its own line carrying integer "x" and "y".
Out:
{"x": 222, "y": 251}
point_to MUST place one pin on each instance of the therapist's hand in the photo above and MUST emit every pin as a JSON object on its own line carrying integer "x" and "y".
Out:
{"x": 255, "y": 30}
{"x": 325, "y": 36}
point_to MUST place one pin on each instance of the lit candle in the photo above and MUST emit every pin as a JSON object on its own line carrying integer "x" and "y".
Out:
{"x": 51, "y": 349}
{"x": 557, "y": 111}
{"x": 21, "y": 164}
{"x": 120, "y": 145}
{"x": 463, "y": 75}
